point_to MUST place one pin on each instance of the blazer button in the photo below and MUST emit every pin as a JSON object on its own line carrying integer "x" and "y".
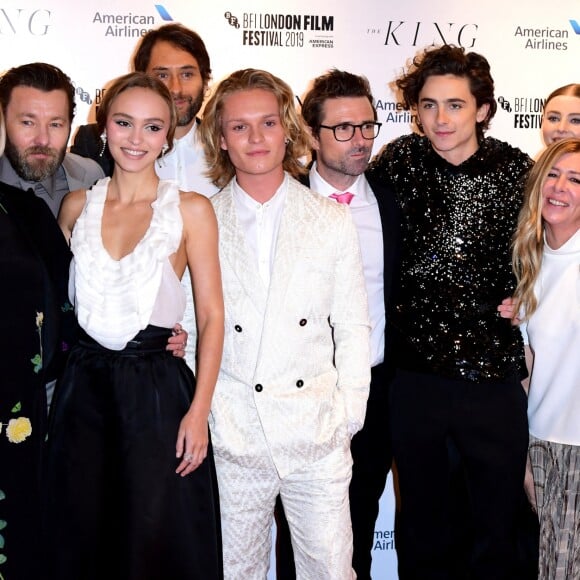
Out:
{"x": 259, "y": 388}
{"x": 299, "y": 383}
{"x": 303, "y": 322}
{"x": 238, "y": 328}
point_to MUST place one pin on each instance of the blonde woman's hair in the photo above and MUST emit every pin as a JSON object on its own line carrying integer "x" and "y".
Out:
{"x": 528, "y": 241}
{"x": 221, "y": 170}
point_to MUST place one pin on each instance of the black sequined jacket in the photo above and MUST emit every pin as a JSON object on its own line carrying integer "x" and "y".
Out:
{"x": 457, "y": 225}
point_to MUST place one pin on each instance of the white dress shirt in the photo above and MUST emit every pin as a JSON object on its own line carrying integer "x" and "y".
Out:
{"x": 186, "y": 165}
{"x": 365, "y": 214}
{"x": 260, "y": 223}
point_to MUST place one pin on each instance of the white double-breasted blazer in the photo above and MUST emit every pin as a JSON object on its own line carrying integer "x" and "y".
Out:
{"x": 295, "y": 365}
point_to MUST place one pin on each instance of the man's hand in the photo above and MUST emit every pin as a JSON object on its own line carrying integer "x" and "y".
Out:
{"x": 506, "y": 310}
{"x": 176, "y": 343}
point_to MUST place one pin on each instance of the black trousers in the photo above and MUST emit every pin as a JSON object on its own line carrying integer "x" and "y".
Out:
{"x": 372, "y": 456}
{"x": 486, "y": 424}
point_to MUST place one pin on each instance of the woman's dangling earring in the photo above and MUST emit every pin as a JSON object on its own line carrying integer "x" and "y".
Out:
{"x": 164, "y": 149}
{"x": 104, "y": 140}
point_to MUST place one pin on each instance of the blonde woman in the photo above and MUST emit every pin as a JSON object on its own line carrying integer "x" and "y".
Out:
{"x": 546, "y": 261}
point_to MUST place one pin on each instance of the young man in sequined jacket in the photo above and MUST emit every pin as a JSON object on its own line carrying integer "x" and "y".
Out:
{"x": 459, "y": 365}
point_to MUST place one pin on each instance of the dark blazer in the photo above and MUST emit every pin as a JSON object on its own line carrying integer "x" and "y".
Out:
{"x": 37, "y": 327}
{"x": 37, "y": 231}
{"x": 87, "y": 143}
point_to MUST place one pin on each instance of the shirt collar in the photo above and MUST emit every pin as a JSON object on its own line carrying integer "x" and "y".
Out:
{"x": 190, "y": 137}
{"x": 249, "y": 202}
{"x": 321, "y": 186}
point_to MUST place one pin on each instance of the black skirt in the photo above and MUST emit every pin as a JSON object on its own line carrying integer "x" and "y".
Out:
{"x": 116, "y": 509}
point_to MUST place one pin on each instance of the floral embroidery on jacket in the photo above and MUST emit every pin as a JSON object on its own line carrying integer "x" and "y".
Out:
{"x": 18, "y": 429}
{"x": 36, "y": 360}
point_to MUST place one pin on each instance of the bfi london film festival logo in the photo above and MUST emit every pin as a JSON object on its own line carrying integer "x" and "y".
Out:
{"x": 425, "y": 33}
{"x": 526, "y": 111}
{"x": 283, "y": 30}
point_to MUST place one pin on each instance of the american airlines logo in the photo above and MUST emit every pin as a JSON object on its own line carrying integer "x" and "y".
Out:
{"x": 162, "y": 11}
{"x": 575, "y": 26}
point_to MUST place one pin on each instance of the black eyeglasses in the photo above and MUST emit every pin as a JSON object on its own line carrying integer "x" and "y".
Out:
{"x": 345, "y": 131}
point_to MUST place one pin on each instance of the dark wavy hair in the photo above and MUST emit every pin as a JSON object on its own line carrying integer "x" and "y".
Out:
{"x": 179, "y": 36}
{"x": 450, "y": 60}
{"x": 332, "y": 85}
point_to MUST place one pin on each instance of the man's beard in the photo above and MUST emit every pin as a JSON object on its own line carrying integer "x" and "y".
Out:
{"x": 348, "y": 166}
{"x": 192, "y": 110}
{"x": 38, "y": 169}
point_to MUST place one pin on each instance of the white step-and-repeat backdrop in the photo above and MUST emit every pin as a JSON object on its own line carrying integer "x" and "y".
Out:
{"x": 533, "y": 47}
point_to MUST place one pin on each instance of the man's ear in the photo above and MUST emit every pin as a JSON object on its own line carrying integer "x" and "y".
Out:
{"x": 482, "y": 112}
{"x": 314, "y": 139}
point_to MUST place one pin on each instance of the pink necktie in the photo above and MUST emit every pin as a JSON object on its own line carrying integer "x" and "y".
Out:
{"x": 345, "y": 197}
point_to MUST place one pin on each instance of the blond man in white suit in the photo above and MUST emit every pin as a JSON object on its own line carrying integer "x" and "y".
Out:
{"x": 295, "y": 373}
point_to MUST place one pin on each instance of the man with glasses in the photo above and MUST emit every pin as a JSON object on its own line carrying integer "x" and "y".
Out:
{"x": 346, "y": 131}
{"x": 342, "y": 120}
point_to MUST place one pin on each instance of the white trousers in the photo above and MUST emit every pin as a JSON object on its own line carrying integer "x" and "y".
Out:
{"x": 317, "y": 509}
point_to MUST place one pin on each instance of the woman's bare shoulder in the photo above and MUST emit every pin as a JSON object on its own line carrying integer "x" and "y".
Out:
{"x": 194, "y": 203}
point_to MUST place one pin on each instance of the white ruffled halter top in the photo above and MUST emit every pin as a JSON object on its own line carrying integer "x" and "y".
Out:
{"x": 115, "y": 299}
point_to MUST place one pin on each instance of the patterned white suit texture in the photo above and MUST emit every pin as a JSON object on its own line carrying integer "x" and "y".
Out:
{"x": 292, "y": 387}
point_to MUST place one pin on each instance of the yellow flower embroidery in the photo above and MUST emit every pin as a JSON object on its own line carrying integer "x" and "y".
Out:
{"x": 18, "y": 429}
{"x": 39, "y": 319}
